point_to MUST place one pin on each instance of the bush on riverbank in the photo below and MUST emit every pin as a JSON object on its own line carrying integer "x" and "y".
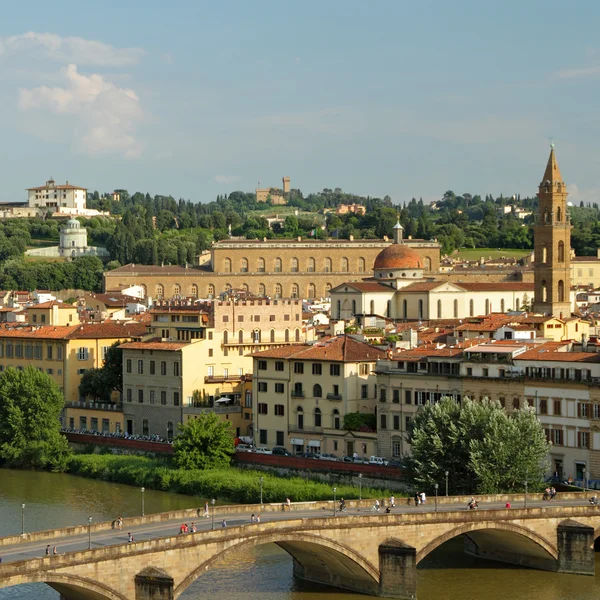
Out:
{"x": 233, "y": 484}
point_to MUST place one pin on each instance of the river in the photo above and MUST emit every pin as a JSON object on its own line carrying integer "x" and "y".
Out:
{"x": 264, "y": 573}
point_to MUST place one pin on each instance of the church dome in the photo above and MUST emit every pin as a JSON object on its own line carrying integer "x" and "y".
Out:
{"x": 398, "y": 256}
{"x": 73, "y": 224}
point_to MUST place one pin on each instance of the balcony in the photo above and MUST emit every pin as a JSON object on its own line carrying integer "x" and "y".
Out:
{"x": 228, "y": 378}
{"x": 297, "y": 393}
{"x": 334, "y": 397}
{"x": 118, "y": 407}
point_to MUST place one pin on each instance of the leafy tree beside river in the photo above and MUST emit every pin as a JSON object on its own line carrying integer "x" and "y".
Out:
{"x": 30, "y": 407}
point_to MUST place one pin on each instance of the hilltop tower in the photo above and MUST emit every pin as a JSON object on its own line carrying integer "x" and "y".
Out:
{"x": 552, "y": 245}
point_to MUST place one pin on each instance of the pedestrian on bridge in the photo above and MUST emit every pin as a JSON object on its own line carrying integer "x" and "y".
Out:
{"x": 48, "y": 550}
{"x": 130, "y": 537}
{"x": 224, "y": 524}
{"x": 392, "y": 501}
{"x": 54, "y": 550}
{"x": 205, "y": 515}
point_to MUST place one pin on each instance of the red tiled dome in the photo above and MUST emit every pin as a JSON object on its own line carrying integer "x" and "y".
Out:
{"x": 398, "y": 256}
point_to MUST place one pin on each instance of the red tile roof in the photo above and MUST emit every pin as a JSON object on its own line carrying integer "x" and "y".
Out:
{"x": 341, "y": 348}
{"x": 152, "y": 345}
{"x": 106, "y": 330}
{"x": 50, "y": 304}
{"x": 501, "y": 286}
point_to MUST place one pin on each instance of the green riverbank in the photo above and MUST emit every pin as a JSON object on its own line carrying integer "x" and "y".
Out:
{"x": 236, "y": 485}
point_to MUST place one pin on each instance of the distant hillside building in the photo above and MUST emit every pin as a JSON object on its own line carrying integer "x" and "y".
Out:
{"x": 57, "y": 196}
{"x": 273, "y": 194}
{"x": 73, "y": 243}
{"x": 357, "y": 209}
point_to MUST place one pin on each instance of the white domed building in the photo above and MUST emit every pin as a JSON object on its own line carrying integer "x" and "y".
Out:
{"x": 73, "y": 243}
{"x": 399, "y": 290}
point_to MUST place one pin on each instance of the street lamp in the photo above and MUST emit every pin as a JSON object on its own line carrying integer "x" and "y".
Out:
{"x": 89, "y": 533}
{"x": 526, "y": 493}
{"x": 213, "y": 512}
{"x": 143, "y": 490}
{"x": 261, "y": 479}
{"x": 334, "y": 500}
{"x": 22, "y": 519}
{"x": 446, "y": 473}
{"x": 360, "y": 486}
{"x": 436, "y": 486}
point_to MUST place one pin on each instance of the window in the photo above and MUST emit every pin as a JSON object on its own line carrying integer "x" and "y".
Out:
{"x": 583, "y": 410}
{"x": 279, "y": 365}
{"x": 328, "y": 265}
{"x": 382, "y": 394}
{"x": 141, "y": 396}
{"x": 299, "y": 368}
{"x": 263, "y": 408}
{"x": 396, "y": 422}
{"x": 364, "y": 392}
{"x": 82, "y": 353}
{"x": 516, "y": 404}
{"x": 383, "y": 421}
{"x": 279, "y": 438}
{"x": 345, "y": 263}
{"x": 48, "y": 352}
{"x": 163, "y": 398}
{"x": 317, "y": 391}
{"x": 279, "y": 388}
{"x": 152, "y": 367}
{"x": 557, "y": 407}
{"x": 105, "y": 425}
{"x": 175, "y": 398}
{"x": 145, "y": 429}
{"x": 317, "y": 417}
{"x": 279, "y": 410}
{"x": 169, "y": 430}
{"x": 262, "y": 365}
{"x": 557, "y": 437}
{"x": 317, "y": 368}
{"x": 486, "y": 372}
{"x": 336, "y": 419}
{"x": 128, "y": 365}
{"x": 396, "y": 448}
{"x": 244, "y": 267}
{"x": 140, "y": 367}
{"x": 262, "y": 386}
{"x": 152, "y": 396}
{"x": 583, "y": 439}
{"x": 128, "y": 394}
{"x": 262, "y": 435}
{"x": 334, "y": 370}
{"x": 163, "y": 367}
{"x": 543, "y": 407}
{"x": 176, "y": 369}
{"x": 295, "y": 290}
{"x": 363, "y": 369}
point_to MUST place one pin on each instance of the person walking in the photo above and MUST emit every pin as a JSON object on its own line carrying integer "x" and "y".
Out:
{"x": 417, "y": 499}
{"x": 130, "y": 537}
{"x": 48, "y": 550}
{"x": 194, "y": 530}
{"x": 288, "y": 504}
{"x": 120, "y": 522}
{"x": 205, "y": 515}
{"x": 423, "y": 498}
{"x": 252, "y": 519}
{"x": 392, "y": 501}
{"x": 224, "y": 524}
{"x": 258, "y": 518}
{"x": 54, "y": 551}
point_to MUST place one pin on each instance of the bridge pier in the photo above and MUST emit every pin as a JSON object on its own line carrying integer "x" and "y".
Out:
{"x": 397, "y": 570}
{"x": 575, "y": 548}
{"x": 153, "y": 584}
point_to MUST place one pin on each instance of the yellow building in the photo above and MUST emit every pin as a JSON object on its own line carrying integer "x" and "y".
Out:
{"x": 52, "y": 313}
{"x": 302, "y": 394}
{"x": 65, "y": 353}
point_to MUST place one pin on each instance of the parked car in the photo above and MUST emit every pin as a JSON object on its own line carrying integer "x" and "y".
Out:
{"x": 347, "y": 459}
{"x": 377, "y": 460}
{"x": 280, "y": 451}
{"x": 360, "y": 461}
{"x": 243, "y": 448}
{"x": 394, "y": 463}
{"x": 307, "y": 455}
{"x": 326, "y": 456}
{"x": 262, "y": 450}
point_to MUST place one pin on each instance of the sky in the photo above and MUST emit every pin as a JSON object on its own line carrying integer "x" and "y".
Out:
{"x": 197, "y": 98}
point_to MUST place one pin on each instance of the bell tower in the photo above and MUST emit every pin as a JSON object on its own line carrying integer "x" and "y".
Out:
{"x": 552, "y": 245}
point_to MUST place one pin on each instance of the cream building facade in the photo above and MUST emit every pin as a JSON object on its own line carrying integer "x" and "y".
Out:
{"x": 302, "y": 394}
{"x": 54, "y": 197}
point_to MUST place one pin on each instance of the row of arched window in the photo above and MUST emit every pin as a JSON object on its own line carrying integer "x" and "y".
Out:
{"x": 295, "y": 291}
{"x": 255, "y": 336}
{"x": 318, "y": 418}
{"x": 560, "y": 291}
{"x": 311, "y": 266}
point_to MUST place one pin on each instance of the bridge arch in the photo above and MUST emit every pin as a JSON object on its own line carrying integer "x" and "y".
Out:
{"x": 506, "y": 536}
{"x": 74, "y": 585}
{"x": 315, "y": 557}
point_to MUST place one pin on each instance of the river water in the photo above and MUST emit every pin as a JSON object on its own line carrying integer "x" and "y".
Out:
{"x": 264, "y": 573}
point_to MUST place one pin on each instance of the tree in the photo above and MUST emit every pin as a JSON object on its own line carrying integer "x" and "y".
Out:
{"x": 203, "y": 443}
{"x": 30, "y": 408}
{"x": 99, "y": 384}
{"x": 484, "y": 449}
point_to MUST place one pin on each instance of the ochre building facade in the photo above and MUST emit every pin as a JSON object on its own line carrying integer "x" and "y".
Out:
{"x": 276, "y": 268}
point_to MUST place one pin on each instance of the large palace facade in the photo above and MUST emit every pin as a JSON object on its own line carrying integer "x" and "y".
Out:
{"x": 283, "y": 268}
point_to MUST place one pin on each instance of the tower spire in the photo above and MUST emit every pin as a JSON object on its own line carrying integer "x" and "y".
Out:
{"x": 552, "y": 172}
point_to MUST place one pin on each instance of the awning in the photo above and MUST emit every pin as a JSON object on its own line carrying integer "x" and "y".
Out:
{"x": 297, "y": 442}
{"x": 314, "y": 443}
{"x": 223, "y": 399}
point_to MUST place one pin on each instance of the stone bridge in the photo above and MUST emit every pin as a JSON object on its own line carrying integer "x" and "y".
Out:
{"x": 371, "y": 554}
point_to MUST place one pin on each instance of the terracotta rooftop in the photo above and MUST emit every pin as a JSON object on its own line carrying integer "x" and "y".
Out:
{"x": 398, "y": 256}
{"x": 509, "y": 286}
{"x": 114, "y": 300}
{"x": 341, "y": 348}
{"x": 367, "y": 286}
{"x": 548, "y": 356}
{"x": 152, "y": 345}
{"x": 57, "y": 187}
{"x": 106, "y": 330}
{"x": 50, "y": 304}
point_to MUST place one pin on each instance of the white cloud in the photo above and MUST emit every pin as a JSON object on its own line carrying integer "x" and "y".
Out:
{"x": 102, "y": 116}
{"x": 584, "y": 195}
{"x": 224, "y": 179}
{"x": 69, "y": 50}
{"x": 580, "y": 73}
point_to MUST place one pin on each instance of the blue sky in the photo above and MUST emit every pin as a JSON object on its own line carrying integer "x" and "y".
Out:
{"x": 198, "y": 98}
